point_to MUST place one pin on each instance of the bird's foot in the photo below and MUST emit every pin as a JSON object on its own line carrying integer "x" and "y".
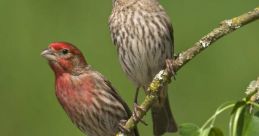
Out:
{"x": 170, "y": 67}
{"x": 122, "y": 128}
{"x": 136, "y": 115}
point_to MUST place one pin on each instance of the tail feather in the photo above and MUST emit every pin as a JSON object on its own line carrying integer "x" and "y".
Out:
{"x": 163, "y": 120}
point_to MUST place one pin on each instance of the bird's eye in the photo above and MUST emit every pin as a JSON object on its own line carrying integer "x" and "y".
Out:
{"x": 65, "y": 51}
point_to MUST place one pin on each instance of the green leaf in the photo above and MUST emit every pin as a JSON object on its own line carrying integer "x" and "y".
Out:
{"x": 236, "y": 119}
{"x": 241, "y": 120}
{"x": 189, "y": 129}
{"x": 211, "y": 132}
{"x": 210, "y": 122}
{"x": 205, "y": 132}
{"x": 216, "y": 132}
{"x": 252, "y": 125}
{"x": 237, "y": 106}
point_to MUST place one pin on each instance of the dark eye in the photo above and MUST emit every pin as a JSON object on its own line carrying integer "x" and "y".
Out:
{"x": 65, "y": 51}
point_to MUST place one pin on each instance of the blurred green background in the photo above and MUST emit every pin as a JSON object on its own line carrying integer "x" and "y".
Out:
{"x": 27, "y": 100}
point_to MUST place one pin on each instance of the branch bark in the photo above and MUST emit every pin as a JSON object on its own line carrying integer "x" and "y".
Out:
{"x": 253, "y": 90}
{"x": 163, "y": 77}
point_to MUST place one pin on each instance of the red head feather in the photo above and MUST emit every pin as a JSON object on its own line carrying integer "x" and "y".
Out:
{"x": 58, "y": 46}
{"x": 67, "y": 58}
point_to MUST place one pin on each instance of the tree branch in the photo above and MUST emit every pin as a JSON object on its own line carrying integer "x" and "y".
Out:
{"x": 253, "y": 91}
{"x": 163, "y": 77}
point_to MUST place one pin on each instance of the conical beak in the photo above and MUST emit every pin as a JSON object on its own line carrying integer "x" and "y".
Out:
{"x": 48, "y": 54}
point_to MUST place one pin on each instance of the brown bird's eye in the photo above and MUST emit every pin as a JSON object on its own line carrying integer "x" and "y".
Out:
{"x": 65, "y": 51}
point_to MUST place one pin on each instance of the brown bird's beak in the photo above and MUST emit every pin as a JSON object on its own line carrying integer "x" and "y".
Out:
{"x": 48, "y": 54}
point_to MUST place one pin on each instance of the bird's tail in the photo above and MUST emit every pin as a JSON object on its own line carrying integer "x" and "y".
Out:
{"x": 163, "y": 120}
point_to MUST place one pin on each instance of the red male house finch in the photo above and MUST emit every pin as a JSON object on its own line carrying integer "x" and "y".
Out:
{"x": 87, "y": 97}
{"x": 143, "y": 35}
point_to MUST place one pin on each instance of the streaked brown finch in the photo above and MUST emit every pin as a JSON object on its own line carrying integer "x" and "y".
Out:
{"x": 143, "y": 35}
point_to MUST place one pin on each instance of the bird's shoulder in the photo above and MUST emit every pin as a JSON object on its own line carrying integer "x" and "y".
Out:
{"x": 104, "y": 84}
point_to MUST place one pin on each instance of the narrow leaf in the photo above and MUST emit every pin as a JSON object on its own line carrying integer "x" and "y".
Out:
{"x": 236, "y": 119}
{"x": 189, "y": 129}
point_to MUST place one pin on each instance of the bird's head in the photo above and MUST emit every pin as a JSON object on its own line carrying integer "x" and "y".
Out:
{"x": 64, "y": 57}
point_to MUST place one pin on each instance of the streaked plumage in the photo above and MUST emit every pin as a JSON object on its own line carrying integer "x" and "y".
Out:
{"x": 87, "y": 97}
{"x": 143, "y": 35}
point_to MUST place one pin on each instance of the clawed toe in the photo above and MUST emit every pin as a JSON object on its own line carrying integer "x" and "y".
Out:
{"x": 170, "y": 67}
{"x": 122, "y": 128}
{"x": 136, "y": 115}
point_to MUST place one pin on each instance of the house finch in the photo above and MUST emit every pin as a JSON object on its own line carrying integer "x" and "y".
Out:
{"x": 86, "y": 96}
{"x": 143, "y": 35}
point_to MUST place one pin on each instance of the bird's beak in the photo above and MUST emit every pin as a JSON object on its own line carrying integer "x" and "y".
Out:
{"x": 48, "y": 54}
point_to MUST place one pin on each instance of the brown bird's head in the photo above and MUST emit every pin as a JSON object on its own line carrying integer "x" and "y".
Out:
{"x": 64, "y": 57}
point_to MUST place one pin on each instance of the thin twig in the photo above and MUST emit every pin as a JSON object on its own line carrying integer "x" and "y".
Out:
{"x": 163, "y": 77}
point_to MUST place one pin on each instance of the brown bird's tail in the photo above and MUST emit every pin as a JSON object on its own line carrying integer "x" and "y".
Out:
{"x": 163, "y": 120}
